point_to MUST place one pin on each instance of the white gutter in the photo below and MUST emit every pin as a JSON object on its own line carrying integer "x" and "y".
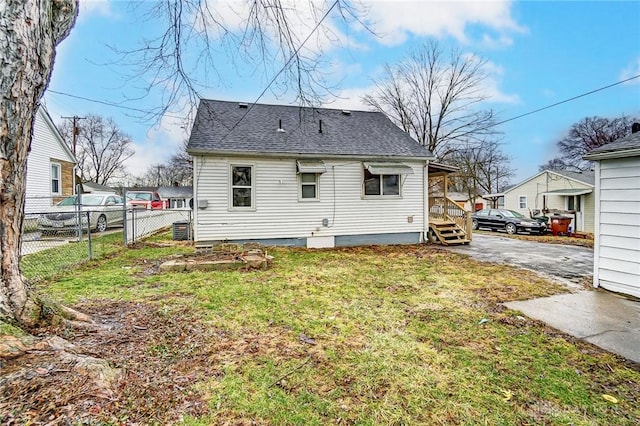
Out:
{"x": 613, "y": 154}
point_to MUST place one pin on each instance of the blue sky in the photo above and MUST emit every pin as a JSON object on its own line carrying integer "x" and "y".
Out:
{"x": 538, "y": 53}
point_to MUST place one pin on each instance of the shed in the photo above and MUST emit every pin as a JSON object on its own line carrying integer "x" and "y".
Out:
{"x": 617, "y": 214}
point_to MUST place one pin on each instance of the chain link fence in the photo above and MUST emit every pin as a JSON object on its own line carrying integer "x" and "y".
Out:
{"x": 65, "y": 236}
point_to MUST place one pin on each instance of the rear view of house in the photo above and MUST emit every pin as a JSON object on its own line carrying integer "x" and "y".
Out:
{"x": 617, "y": 229}
{"x": 310, "y": 177}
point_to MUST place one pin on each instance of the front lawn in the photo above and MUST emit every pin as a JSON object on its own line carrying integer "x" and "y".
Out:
{"x": 369, "y": 336}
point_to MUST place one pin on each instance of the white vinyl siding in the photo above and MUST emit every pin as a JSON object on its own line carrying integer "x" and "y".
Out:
{"x": 279, "y": 214}
{"x": 617, "y": 264}
{"x": 46, "y": 146}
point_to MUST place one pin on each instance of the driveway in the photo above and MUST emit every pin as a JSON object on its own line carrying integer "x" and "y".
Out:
{"x": 569, "y": 265}
{"x": 602, "y": 318}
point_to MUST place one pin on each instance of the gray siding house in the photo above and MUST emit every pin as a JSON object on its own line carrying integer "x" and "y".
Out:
{"x": 313, "y": 177}
{"x": 617, "y": 214}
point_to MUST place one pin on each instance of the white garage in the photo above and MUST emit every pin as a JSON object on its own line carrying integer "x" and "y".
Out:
{"x": 617, "y": 215}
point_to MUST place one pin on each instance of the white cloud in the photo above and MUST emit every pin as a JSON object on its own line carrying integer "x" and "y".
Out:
{"x": 95, "y": 7}
{"x": 631, "y": 71}
{"x": 491, "y": 87}
{"x": 397, "y": 20}
{"x": 161, "y": 142}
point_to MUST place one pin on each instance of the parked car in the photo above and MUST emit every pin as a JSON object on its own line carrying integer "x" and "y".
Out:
{"x": 104, "y": 210}
{"x": 509, "y": 220}
{"x": 145, "y": 200}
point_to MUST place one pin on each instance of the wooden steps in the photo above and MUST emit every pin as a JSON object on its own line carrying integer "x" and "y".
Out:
{"x": 447, "y": 233}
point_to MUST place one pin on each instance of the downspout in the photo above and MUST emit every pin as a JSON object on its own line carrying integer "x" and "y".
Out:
{"x": 425, "y": 202}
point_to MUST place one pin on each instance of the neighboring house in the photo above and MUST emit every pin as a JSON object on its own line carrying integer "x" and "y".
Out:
{"x": 90, "y": 187}
{"x": 556, "y": 191}
{"x": 312, "y": 177}
{"x": 177, "y": 197}
{"x": 617, "y": 214}
{"x": 50, "y": 166}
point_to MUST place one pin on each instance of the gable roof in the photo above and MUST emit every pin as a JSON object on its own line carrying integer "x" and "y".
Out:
{"x": 629, "y": 146}
{"x": 221, "y": 127}
{"x": 587, "y": 178}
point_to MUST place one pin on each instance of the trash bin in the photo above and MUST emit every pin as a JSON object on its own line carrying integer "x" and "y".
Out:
{"x": 181, "y": 231}
{"x": 560, "y": 225}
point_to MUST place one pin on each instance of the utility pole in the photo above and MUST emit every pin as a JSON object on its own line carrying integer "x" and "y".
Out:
{"x": 76, "y": 132}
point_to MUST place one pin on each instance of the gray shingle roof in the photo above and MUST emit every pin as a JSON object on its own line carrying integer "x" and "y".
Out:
{"x": 356, "y": 133}
{"x": 587, "y": 177}
{"x": 175, "y": 192}
{"x": 629, "y": 142}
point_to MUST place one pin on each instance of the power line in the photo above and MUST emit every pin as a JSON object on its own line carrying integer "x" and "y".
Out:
{"x": 567, "y": 100}
{"x": 111, "y": 104}
{"x": 286, "y": 64}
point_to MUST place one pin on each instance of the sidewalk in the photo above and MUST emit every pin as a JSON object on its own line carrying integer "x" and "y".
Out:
{"x": 605, "y": 319}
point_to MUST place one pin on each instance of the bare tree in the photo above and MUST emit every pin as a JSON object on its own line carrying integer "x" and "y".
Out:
{"x": 271, "y": 36}
{"x": 585, "y": 135}
{"x": 178, "y": 169}
{"x": 101, "y": 150}
{"x": 30, "y": 31}
{"x": 484, "y": 169}
{"x": 436, "y": 97}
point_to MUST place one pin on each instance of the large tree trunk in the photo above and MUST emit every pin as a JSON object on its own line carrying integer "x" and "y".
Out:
{"x": 30, "y": 30}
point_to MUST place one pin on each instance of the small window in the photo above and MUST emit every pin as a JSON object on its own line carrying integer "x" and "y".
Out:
{"x": 242, "y": 186}
{"x": 309, "y": 186}
{"x": 385, "y": 185}
{"x": 522, "y": 202}
{"x": 55, "y": 178}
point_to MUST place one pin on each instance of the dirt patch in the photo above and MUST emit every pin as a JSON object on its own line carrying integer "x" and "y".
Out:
{"x": 160, "y": 356}
{"x": 163, "y": 355}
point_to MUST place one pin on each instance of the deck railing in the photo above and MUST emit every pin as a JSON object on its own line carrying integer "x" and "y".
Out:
{"x": 441, "y": 208}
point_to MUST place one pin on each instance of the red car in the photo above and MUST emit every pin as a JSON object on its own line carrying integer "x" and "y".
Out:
{"x": 145, "y": 200}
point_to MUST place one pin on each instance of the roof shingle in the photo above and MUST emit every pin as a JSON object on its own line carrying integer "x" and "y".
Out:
{"x": 221, "y": 127}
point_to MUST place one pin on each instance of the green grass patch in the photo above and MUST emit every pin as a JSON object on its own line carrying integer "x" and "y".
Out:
{"x": 369, "y": 336}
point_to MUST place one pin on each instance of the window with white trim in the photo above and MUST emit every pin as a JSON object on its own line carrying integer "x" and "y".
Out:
{"x": 242, "y": 186}
{"x": 383, "y": 185}
{"x": 522, "y": 201}
{"x": 384, "y": 179}
{"x": 55, "y": 178}
{"x": 309, "y": 186}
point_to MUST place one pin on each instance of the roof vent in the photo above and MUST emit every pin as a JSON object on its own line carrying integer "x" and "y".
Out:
{"x": 243, "y": 105}
{"x": 635, "y": 128}
{"x": 320, "y": 126}
{"x": 346, "y": 112}
{"x": 280, "y": 129}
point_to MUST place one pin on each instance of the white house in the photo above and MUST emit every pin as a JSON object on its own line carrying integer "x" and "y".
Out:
{"x": 311, "y": 177}
{"x": 566, "y": 192}
{"x": 50, "y": 166}
{"x": 617, "y": 214}
{"x": 177, "y": 197}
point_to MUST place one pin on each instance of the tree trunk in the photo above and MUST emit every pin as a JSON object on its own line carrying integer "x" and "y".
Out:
{"x": 30, "y": 30}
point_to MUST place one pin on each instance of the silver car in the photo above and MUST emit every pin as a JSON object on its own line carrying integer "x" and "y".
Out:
{"x": 104, "y": 210}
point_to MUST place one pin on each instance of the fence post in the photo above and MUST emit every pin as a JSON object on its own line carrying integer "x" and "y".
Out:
{"x": 89, "y": 235}
{"x": 79, "y": 215}
{"x": 124, "y": 218}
